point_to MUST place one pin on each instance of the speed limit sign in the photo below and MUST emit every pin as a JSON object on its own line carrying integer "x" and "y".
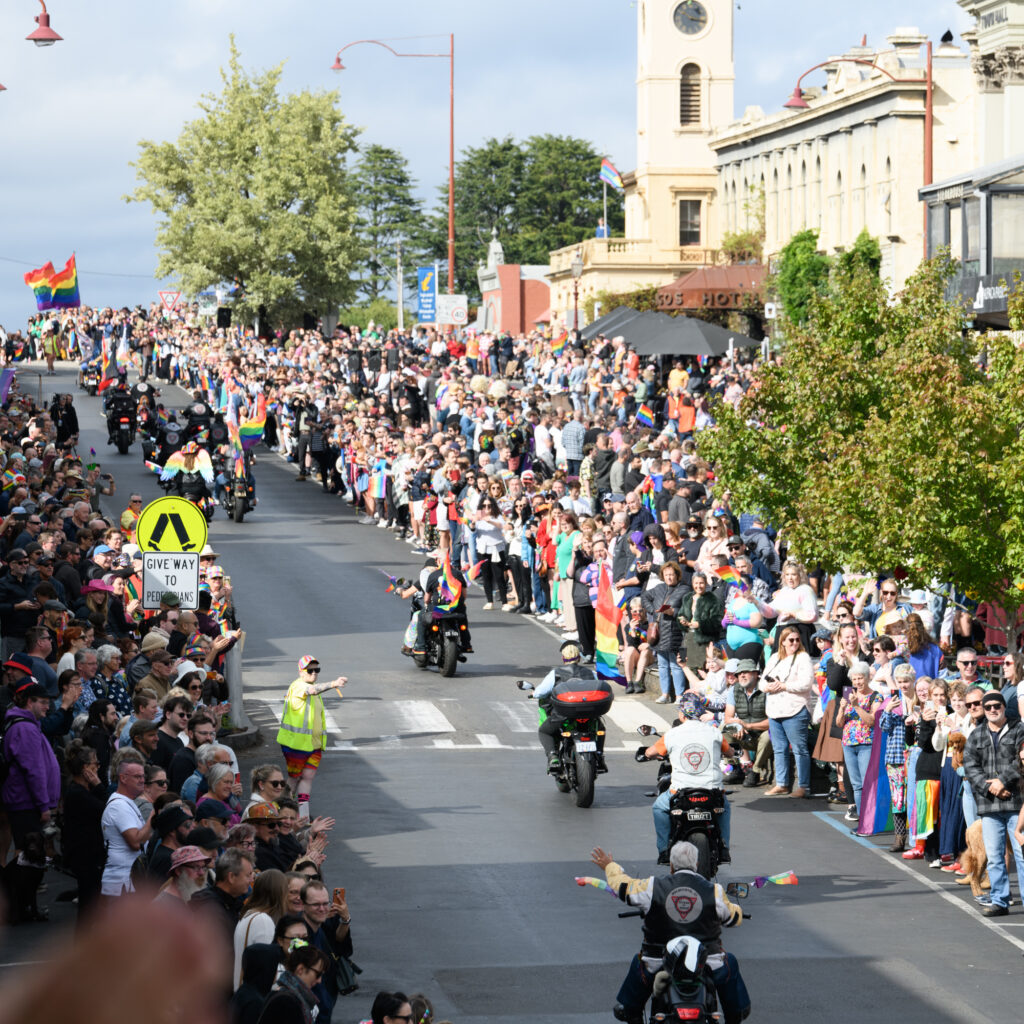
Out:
{"x": 452, "y": 309}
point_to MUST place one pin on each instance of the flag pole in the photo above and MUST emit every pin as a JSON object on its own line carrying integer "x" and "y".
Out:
{"x": 607, "y": 231}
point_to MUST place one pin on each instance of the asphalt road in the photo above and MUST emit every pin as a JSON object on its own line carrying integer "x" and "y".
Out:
{"x": 459, "y": 855}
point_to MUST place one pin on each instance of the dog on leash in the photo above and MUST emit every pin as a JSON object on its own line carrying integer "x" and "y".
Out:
{"x": 974, "y": 861}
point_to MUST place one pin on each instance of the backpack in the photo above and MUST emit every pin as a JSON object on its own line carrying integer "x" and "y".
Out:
{"x": 5, "y": 764}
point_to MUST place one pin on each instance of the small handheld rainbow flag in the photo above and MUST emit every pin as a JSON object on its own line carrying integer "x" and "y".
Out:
{"x": 250, "y": 432}
{"x": 154, "y": 467}
{"x": 651, "y": 486}
{"x": 39, "y": 281}
{"x": 786, "y": 878}
{"x": 732, "y": 577}
{"x": 64, "y": 286}
{"x": 645, "y": 415}
{"x": 610, "y": 176}
{"x": 558, "y": 344}
{"x": 11, "y": 479}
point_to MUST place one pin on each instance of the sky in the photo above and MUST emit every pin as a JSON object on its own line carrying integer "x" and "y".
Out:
{"x": 72, "y": 114}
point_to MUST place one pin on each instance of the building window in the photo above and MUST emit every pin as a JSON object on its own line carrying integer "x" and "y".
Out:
{"x": 689, "y": 95}
{"x": 1007, "y": 232}
{"x": 689, "y": 222}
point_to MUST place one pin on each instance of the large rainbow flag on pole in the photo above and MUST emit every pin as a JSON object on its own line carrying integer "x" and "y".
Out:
{"x": 606, "y": 622}
{"x": 39, "y": 281}
{"x": 250, "y": 431}
{"x": 610, "y": 176}
{"x": 64, "y": 286}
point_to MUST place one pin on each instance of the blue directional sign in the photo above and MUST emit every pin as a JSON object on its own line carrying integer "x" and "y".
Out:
{"x": 426, "y": 289}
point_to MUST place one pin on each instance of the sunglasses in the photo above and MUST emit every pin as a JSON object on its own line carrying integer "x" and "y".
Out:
{"x": 277, "y": 783}
{"x": 969, "y": 661}
{"x": 974, "y": 703}
{"x": 993, "y": 706}
{"x": 159, "y": 782}
{"x": 313, "y": 671}
{"x": 889, "y": 593}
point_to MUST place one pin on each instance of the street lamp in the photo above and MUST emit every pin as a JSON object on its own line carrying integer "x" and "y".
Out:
{"x": 797, "y": 102}
{"x": 450, "y": 57}
{"x": 44, "y": 35}
{"x": 577, "y": 272}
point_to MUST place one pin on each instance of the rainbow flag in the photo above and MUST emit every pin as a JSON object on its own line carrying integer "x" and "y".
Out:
{"x": 651, "y": 486}
{"x": 110, "y": 367}
{"x": 39, "y": 281}
{"x": 606, "y": 629}
{"x": 786, "y": 878}
{"x": 731, "y": 576}
{"x": 6, "y": 380}
{"x": 250, "y": 431}
{"x": 876, "y": 797}
{"x": 153, "y": 467}
{"x": 450, "y": 589}
{"x": 645, "y": 415}
{"x": 558, "y": 344}
{"x": 65, "y": 286}
{"x": 610, "y": 176}
{"x": 204, "y": 381}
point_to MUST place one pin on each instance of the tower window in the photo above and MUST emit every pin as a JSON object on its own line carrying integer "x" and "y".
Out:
{"x": 689, "y": 95}
{"x": 689, "y": 222}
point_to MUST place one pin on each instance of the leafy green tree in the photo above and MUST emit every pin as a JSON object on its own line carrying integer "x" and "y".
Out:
{"x": 802, "y": 274}
{"x": 382, "y": 312}
{"x": 256, "y": 191}
{"x": 389, "y": 215}
{"x": 865, "y": 252}
{"x": 747, "y": 246}
{"x": 882, "y": 439}
{"x": 541, "y": 194}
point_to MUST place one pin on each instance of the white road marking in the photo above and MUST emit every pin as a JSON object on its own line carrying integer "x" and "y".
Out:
{"x": 519, "y": 717}
{"x": 421, "y": 716}
{"x": 970, "y": 908}
{"x": 488, "y": 740}
{"x": 628, "y": 714}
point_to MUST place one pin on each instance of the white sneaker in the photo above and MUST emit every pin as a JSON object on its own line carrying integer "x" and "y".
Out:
{"x": 505, "y": 607}
{"x": 664, "y": 699}
{"x": 574, "y": 635}
{"x": 382, "y": 524}
{"x": 487, "y": 607}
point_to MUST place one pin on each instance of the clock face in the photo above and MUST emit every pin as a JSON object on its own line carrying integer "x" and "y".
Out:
{"x": 690, "y": 17}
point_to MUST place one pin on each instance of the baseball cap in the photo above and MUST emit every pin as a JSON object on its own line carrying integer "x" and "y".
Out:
{"x": 732, "y": 666}
{"x": 205, "y": 838}
{"x": 918, "y": 597}
{"x": 102, "y": 549}
{"x": 306, "y": 660}
{"x": 170, "y": 599}
{"x": 616, "y": 497}
{"x": 19, "y": 661}
{"x": 821, "y": 634}
{"x": 211, "y": 808}
{"x": 189, "y": 854}
{"x": 169, "y": 819}
{"x": 141, "y": 726}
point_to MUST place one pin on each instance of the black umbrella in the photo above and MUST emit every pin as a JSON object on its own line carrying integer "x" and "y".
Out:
{"x": 610, "y": 322}
{"x": 658, "y": 334}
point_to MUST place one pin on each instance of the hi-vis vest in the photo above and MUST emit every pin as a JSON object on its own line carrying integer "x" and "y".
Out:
{"x": 297, "y": 726}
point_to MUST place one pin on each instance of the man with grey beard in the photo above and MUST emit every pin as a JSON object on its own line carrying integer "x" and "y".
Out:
{"x": 189, "y": 865}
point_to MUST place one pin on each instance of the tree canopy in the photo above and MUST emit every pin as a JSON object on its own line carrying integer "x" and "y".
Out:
{"x": 541, "y": 194}
{"x": 256, "y": 191}
{"x": 888, "y": 436}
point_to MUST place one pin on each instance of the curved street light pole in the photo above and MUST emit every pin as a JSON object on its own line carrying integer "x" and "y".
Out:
{"x": 450, "y": 57}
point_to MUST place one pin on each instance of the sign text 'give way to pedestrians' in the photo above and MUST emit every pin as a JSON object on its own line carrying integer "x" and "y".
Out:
{"x": 174, "y": 572}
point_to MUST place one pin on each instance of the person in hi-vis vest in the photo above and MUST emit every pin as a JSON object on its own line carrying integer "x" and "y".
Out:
{"x": 303, "y": 732}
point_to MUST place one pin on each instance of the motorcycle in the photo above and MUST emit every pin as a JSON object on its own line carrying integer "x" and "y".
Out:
{"x": 239, "y": 492}
{"x": 684, "y": 988}
{"x": 443, "y": 645}
{"x": 693, "y": 812}
{"x": 577, "y": 747}
{"x": 90, "y": 379}
{"x": 121, "y": 423}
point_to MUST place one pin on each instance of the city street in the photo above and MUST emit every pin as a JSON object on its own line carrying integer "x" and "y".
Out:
{"x": 458, "y": 854}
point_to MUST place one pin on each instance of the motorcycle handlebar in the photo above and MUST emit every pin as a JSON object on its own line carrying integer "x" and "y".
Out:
{"x": 632, "y": 913}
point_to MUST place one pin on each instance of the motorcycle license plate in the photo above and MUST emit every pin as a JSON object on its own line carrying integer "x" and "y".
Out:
{"x": 586, "y": 746}
{"x": 698, "y": 815}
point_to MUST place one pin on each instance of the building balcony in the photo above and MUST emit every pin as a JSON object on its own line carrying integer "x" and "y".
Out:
{"x": 624, "y": 253}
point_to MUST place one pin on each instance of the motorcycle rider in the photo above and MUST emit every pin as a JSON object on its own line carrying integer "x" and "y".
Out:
{"x": 429, "y": 586}
{"x": 680, "y": 903}
{"x": 118, "y": 402}
{"x": 551, "y": 726}
{"x": 695, "y": 749}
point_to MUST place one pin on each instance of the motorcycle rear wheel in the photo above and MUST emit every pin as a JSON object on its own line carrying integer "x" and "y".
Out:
{"x": 585, "y": 773}
{"x": 123, "y": 444}
{"x": 705, "y": 866}
{"x": 449, "y": 659}
{"x": 238, "y": 512}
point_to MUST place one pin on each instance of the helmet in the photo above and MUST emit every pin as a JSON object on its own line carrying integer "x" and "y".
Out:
{"x": 692, "y": 705}
{"x": 570, "y": 652}
{"x": 685, "y": 958}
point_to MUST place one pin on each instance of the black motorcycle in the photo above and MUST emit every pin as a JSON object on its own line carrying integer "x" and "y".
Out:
{"x": 121, "y": 422}
{"x": 582, "y": 706}
{"x": 693, "y": 813}
{"x": 239, "y": 492}
{"x": 90, "y": 379}
{"x": 684, "y": 988}
{"x": 443, "y": 644}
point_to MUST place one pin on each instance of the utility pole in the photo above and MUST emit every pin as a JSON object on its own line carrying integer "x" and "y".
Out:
{"x": 400, "y": 287}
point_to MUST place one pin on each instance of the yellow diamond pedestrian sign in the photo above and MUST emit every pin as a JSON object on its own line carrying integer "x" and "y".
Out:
{"x": 171, "y": 524}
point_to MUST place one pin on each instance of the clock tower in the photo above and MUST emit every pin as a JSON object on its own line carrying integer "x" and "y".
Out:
{"x": 684, "y": 91}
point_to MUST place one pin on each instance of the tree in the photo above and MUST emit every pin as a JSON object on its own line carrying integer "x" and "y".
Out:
{"x": 540, "y": 195}
{"x": 802, "y": 274}
{"x": 256, "y": 191}
{"x": 382, "y": 312}
{"x": 747, "y": 246}
{"x": 389, "y": 214}
{"x": 882, "y": 441}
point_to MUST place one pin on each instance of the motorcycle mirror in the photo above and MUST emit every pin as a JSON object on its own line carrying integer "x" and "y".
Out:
{"x": 523, "y": 684}
{"x": 647, "y": 730}
{"x": 737, "y": 890}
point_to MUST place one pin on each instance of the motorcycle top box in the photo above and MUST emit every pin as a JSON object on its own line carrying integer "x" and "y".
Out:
{"x": 582, "y": 698}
